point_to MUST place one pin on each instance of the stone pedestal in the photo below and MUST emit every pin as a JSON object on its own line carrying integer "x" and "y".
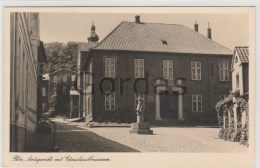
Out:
{"x": 141, "y": 128}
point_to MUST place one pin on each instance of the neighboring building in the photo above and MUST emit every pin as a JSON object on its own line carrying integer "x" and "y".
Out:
{"x": 42, "y": 96}
{"x": 240, "y": 71}
{"x": 83, "y": 61}
{"x": 168, "y": 51}
{"x": 24, "y": 43}
{"x": 240, "y": 80}
{"x": 83, "y": 69}
{"x": 60, "y": 83}
{"x": 44, "y": 92}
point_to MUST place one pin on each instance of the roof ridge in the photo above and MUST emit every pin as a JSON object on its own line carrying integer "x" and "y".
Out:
{"x": 154, "y": 23}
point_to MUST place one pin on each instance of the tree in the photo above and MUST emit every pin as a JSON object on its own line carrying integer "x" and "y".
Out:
{"x": 61, "y": 55}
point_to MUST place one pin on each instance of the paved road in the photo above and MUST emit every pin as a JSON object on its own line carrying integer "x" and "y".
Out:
{"x": 70, "y": 138}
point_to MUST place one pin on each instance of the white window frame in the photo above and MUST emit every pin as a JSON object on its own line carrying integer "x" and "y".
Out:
{"x": 196, "y": 99}
{"x": 43, "y": 91}
{"x": 195, "y": 66}
{"x": 110, "y": 67}
{"x": 142, "y": 100}
{"x": 139, "y": 68}
{"x": 223, "y": 71}
{"x": 168, "y": 69}
{"x": 110, "y": 100}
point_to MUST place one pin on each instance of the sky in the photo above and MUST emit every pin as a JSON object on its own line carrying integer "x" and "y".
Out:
{"x": 229, "y": 30}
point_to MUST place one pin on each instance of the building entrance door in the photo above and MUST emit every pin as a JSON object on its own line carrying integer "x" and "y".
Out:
{"x": 169, "y": 106}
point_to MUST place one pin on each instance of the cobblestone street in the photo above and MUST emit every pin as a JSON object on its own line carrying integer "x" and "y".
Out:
{"x": 74, "y": 137}
{"x": 70, "y": 138}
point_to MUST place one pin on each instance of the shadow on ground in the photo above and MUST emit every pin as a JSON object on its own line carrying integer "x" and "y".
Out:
{"x": 70, "y": 138}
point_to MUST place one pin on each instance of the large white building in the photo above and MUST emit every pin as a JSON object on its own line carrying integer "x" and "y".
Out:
{"x": 24, "y": 43}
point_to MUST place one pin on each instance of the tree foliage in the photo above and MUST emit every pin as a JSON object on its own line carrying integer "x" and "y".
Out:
{"x": 60, "y": 55}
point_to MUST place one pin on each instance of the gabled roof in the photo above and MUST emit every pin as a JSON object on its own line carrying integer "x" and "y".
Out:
{"x": 83, "y": 46}
{"x": 158, "y": 37}
{"x": 243, "y": 53}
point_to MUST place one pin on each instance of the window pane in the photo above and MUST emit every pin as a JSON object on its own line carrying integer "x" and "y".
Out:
{"x": 194, "y": 106}
{"x": 107, "y": 95}
{"x": 198, "y": 71}
{"x": 112, "y": 61}
{"x": 193, "y": 97}
{"x": 192, "y": 64}
{"x": 226, "y": 65}
{"x": 220, "y": 65}
{"x": 141, "y": 62}
{"x": 198, "y": 64}
{"x": 199, "y": 97}
{"x": 199, "y": 106}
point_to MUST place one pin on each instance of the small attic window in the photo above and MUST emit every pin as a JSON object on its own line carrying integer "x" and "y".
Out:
{"x": 164, "y": 42}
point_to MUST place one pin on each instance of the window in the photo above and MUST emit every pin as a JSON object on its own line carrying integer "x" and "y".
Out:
{"x": 237, "y": 80}
{"x": 222, "y": 97}
{"x": 110, "y": 67}
{"x": 195, "y": 70}
{"x": 44, "y": 91}
{"x": 43, "y": 106}
{"x": 141, "y": 96}
{"x": 212, "y": 69}
{"x": 223, "y": 71}
{"x": 110, "y": 101}
{"x": 139, "y": 68}
{"x": 197, "y": 103}
{"x": 64, "y": 90}
{"x": 64, "y": 78}
{"x": 168, "y": 69}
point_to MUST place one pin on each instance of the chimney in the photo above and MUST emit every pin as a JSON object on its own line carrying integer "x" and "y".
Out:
{"x": 196, "y": 26}
{"x": 137, "y": 19}
{"x": 209, "y": 32}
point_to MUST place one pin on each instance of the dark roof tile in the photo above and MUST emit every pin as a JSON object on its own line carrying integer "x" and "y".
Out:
{"x": 158, "y": 37}
{"x": 243, "y": 53}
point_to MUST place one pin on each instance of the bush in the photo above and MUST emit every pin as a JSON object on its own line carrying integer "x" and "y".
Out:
{"x": 43, "y": 127}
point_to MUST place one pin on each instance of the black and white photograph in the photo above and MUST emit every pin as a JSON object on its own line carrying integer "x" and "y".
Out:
{"x": 128, "y": 81}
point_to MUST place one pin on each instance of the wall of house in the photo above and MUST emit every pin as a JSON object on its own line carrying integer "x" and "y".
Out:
{"x": 237, "y": 75}
{"x": 24, "y": 69}
{"x": 209, "y": 86}
{"x": 59, "y": 75}
{"x": 245, "y": 78}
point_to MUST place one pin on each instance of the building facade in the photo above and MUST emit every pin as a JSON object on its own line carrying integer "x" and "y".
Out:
{"x": 24, "y": 42}
{"x": 60, "y": 84}
{"x": 42, "y": 96}
{"x": 178, "y": 73}
{"x": 239, "y": 68}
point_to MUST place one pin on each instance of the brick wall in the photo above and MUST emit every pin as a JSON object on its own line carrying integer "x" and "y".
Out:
{"x": 209, "y": 86}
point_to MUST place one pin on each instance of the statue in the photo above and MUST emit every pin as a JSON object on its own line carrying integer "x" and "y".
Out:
{"x": 140, "y": 127}
{"x": 139, "y": 110}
